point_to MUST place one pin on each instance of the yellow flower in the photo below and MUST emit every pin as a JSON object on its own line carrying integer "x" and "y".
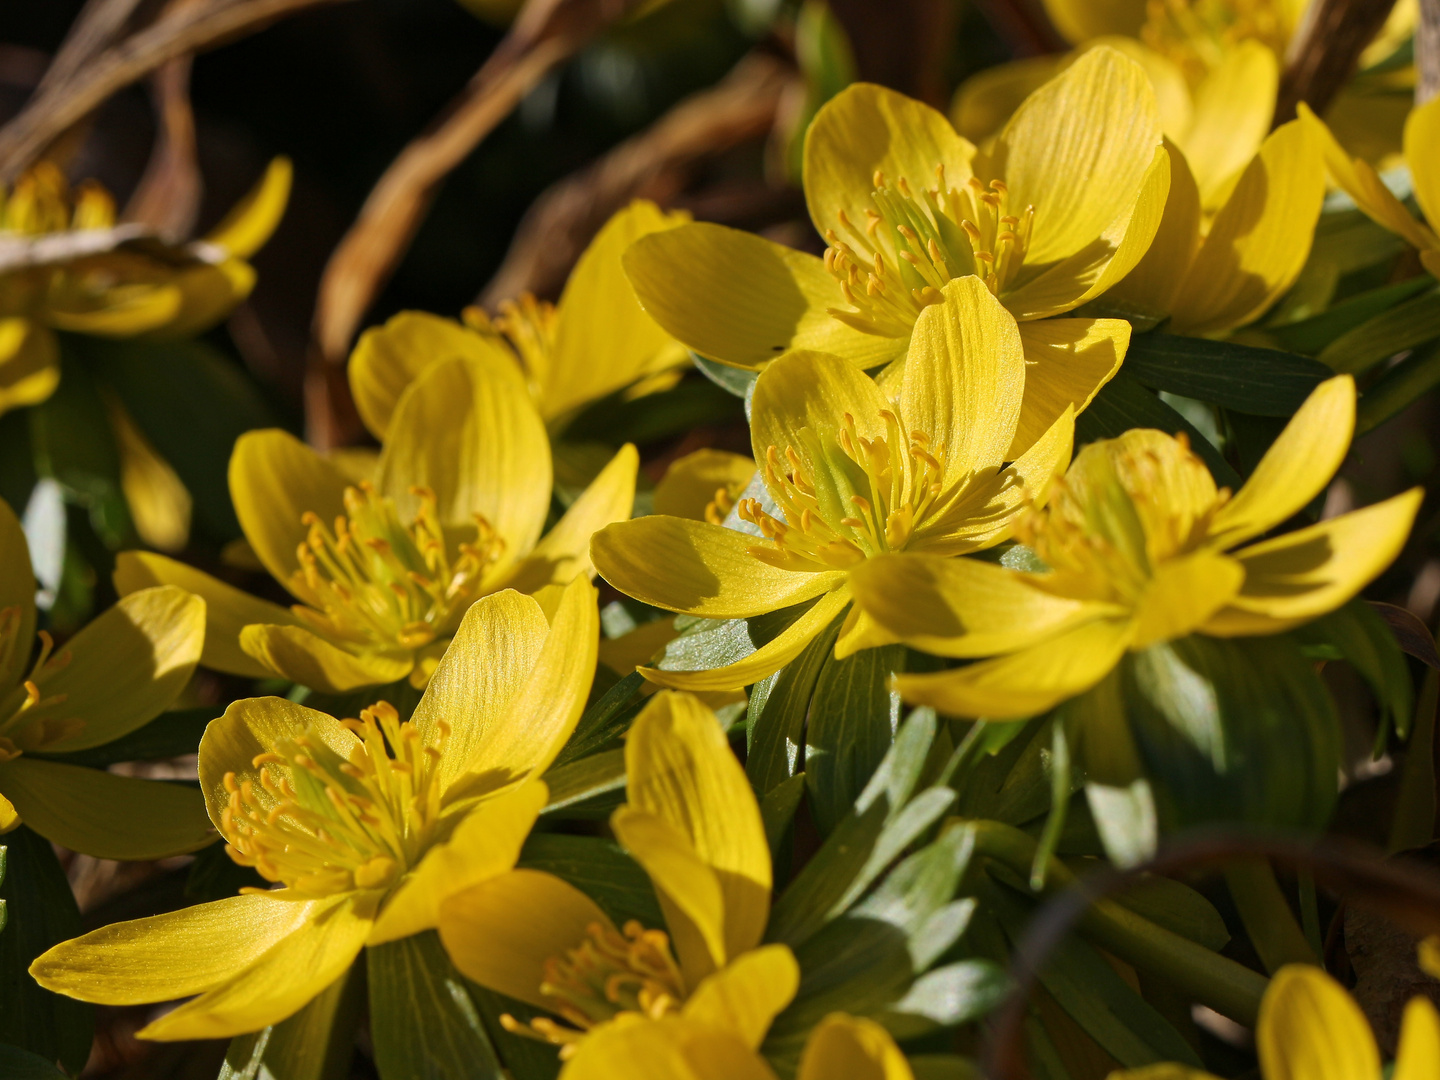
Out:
{"x": 66, "y": 265}
{"x": 677, "y": 1048}
{"x": 855, "y": 475}
{"x": 1311, "y": 1029}
{"x": 384, "y": 571}
{"x": 1140, "y": 549}
{"x": 692, "y": 822}
{"x": 367, "y": 824}
{"x": 1212, "y": 273}
{"x": 114, "y": 676}
{"x": 1363, "y": 184}
{"x": 594, "y": 342}
{"x": 1062, "y": 208}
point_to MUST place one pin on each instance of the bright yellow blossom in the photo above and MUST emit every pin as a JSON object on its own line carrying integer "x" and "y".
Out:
{"x": 1211, "y": 273}
{"x": 365, "y": 824}
{"x": 678, "y": 1048}
{"x": 1311, "y": 1029}
{"x": 383, "y": 571}
{"x": 854, "y": 475}
{"x": 1141, "y": 549}
{"x": 1363, "y": 184}
{"x": 66, "y": 265}
{"x": 594, "y": 342}
{"x": 691, "y": 820}
{"x": 114, "y": 676}
{"x": 1061, "y": 208}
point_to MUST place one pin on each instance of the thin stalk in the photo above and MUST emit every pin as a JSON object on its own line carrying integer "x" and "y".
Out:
{"x": 1266, "y": 913}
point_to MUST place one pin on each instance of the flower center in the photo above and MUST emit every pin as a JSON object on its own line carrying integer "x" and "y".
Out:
{"x": 376, "y": 583}
{"x": 27, "y": 720}
{"x": 912, "y": 245}
{"x": 848, "y": 501}
{"x": 1197, "y": 34}
{"x": 1109, "y": 523}
{"x": 527, "y": 324}
{"x": 607, "y": 974}
{"x": 321, "y": 823}
{"x": 41, "y": 202}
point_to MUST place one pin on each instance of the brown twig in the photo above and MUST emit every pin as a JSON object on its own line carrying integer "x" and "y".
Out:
{"x": 51, "y": 112}
{"x": 1427, "y": 52}
{"x": 97, "y": 25}
{"x": 168, "y": 195}
{"x": 546, "y": 33}
{"x": 1325, "y": 50}
{"x": 654, "y": 164}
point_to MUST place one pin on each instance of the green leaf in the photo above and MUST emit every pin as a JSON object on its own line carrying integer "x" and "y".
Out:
{"x": 690, "y": 404}
{"x": 588, "y": 788}
{"x": 1168, "y": 903}
{"x": 1123, "y": 403}
{"x": 422, "y": 1022}
{"x": 776, "y": 713}
{"x": 214, "y": 875}
{"x": 18, "y": 1064}
{"x": 1235, "y": 730}
{"x": 604, "y": 721}
{"x": 192, "y": 403}
{"x": 1124, "y": 816}
{"x": 947, "y": 997}
{"x": 1414, "y": 822}
{"x": 705, "y": 644}
{"x": 852, "y": 719}
{"x": 1262, "y": 382}
{"x": 777, "y": 811}
{"x": 1315, "y": 333}
{"x": 1404, "y": 326}
{"x": 42, "y": 912}
{"x": 523, "y": 1058}
{"x": 1358, "y": 634}
{"x": 944, "y": 1067}
{"x": 316, "y": 1043}
{"x": 739, "y": 382}
{"x": 1398, "y": 388}
{"x": 171, "y": 734}
{"x": 601, "y": 870}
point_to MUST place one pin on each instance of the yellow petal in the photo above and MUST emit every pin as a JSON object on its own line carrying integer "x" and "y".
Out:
{"x": 1418, "y": 1055}
{"x": 963, "y": 607}
{"x": 1080, "y": 20}
{"x": 964, "y": 379}
{"x": 1078, "y": 150}
{"x": 1106, "y": 260}
{"x": 170, "y": 956}
{"x": 247, "y": 226}
{"x": 1363, "y": 184}
{"x": 299, "y": 654}
{"x": 1067, "y": 361}
{"x": 251, "y": 727}
{"x": 387, "y": 359}
{"x": 1431, "y": 261}
{"x": 1311, "y": 1029}
{"x": 275, "y": 479}
{"x": 228, "y": 610}
{"x": 1027, "y": 682}
{"x": 1150, "y": 289}
{"x": 852, "y": 1047}
{"x": 1233, "y": 108}
{"x": 17, "y": 592}
{"x": 1301, "y": 575}
{"x": 500, "y": 933}
{"x": 767, "y": 659}
{"x": 117, "y": 313}
{"x": 158, "y": 501}
{"x": 1183, "y": 593}
{"x": 208, "y": 293}
{"x": 101, "y": 814}
{"x": 687, "y": 887}
{"x": 866, "y": 129}
{"x": 511, "y": 686}
{"x": 699, "y": 568}
{"x": 681, "y": 770}
{"x": 9, "y": 816}
{"x": 280, "y": 983}
{"x": 672, "y": 1048}
{"x": 745, "y": 996}
{"x": 1422, "y": 154}
{"x": 476, "y": 441}
{"x": 811, "y": 390}
{"x": 604, "y": 341}
{"x": 126, "y": 666}
{"x": 988, "y": 98}
{"x": 1260, "y": 239}
{"x": 564, "y": 552}
{"x": 691, "y": 483}
{"x": 1172, "y": 88}
{"x": 1295, "y": 469}
{"x": 759, "y": 299}
{"x": 483, "y": 846}
{"x": 29, "y": 363}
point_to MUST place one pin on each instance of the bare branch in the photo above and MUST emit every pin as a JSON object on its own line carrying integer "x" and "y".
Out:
{"x": 1427, "y": 52}
{"x": 1325, "y": 50}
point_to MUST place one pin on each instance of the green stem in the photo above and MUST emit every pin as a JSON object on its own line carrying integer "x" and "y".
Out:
{"x": 1266, "y": 913}
{"x": 1205, "y": 976}
{"x": 1399, "y": 387}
